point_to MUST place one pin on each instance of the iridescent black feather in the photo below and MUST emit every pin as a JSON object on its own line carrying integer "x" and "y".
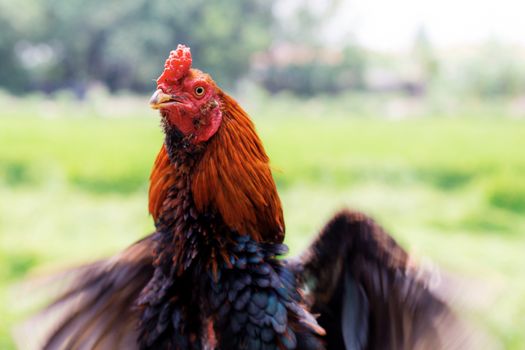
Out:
{"x": 257, "y": 302}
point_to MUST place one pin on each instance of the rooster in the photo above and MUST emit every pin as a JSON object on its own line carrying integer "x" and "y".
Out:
{"x": 211, "y": 275}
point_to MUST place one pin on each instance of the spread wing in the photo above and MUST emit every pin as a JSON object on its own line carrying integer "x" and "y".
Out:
{"x": 96, "y": 310}
{"x": 368, "y": 296}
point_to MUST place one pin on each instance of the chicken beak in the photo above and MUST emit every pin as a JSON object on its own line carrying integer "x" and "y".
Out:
{"x": 158, "y": 98}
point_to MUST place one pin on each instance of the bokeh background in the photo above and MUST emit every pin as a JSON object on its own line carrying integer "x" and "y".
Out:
{"x": 412, "y": 111}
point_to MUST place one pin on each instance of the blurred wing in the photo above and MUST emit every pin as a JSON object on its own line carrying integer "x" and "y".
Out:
{"x": 366, "y": 294}
{"x": 96, "y": 311}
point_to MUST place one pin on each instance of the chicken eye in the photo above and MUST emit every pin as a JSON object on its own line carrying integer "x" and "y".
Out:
{"x": 199, "y": 91}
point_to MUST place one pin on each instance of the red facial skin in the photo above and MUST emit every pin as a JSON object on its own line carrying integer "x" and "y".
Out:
{"x": 194, "y": 105}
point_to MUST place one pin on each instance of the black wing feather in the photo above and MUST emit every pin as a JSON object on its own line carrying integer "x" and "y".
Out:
{"x": 368, "y": 296}
{"x": 98, "y": 310}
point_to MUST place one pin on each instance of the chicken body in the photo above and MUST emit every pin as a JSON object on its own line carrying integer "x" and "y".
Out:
{"x": 214, "y": 287}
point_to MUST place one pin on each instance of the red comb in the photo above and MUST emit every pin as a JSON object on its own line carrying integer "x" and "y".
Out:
{"x": 177, "y": 65}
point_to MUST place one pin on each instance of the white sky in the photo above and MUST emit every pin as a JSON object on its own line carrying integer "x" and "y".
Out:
{"x": 391, "y": 24}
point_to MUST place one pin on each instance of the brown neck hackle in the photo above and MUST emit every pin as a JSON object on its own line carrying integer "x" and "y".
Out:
{"x": 232, "y": 178}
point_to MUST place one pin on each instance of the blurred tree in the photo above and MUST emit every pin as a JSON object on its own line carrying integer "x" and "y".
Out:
{"x": 12, "y": 28}
{"x": 317, "y": 71}
{"x": 425, "y": 56}
{"x": 71, "y": 43}
{"x": 303, "y": 21}
{"x": 311, "y": 65}
{"x": 496, "y": 71}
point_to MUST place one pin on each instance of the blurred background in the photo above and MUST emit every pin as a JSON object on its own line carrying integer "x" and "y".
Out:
{"x": 412, "y": 111}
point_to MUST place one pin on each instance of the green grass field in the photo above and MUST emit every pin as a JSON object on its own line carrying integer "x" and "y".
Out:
{"x": 451, "y": 190}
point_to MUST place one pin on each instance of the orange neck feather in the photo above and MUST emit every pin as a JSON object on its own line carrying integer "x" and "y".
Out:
{"x": 232, "y": 178}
